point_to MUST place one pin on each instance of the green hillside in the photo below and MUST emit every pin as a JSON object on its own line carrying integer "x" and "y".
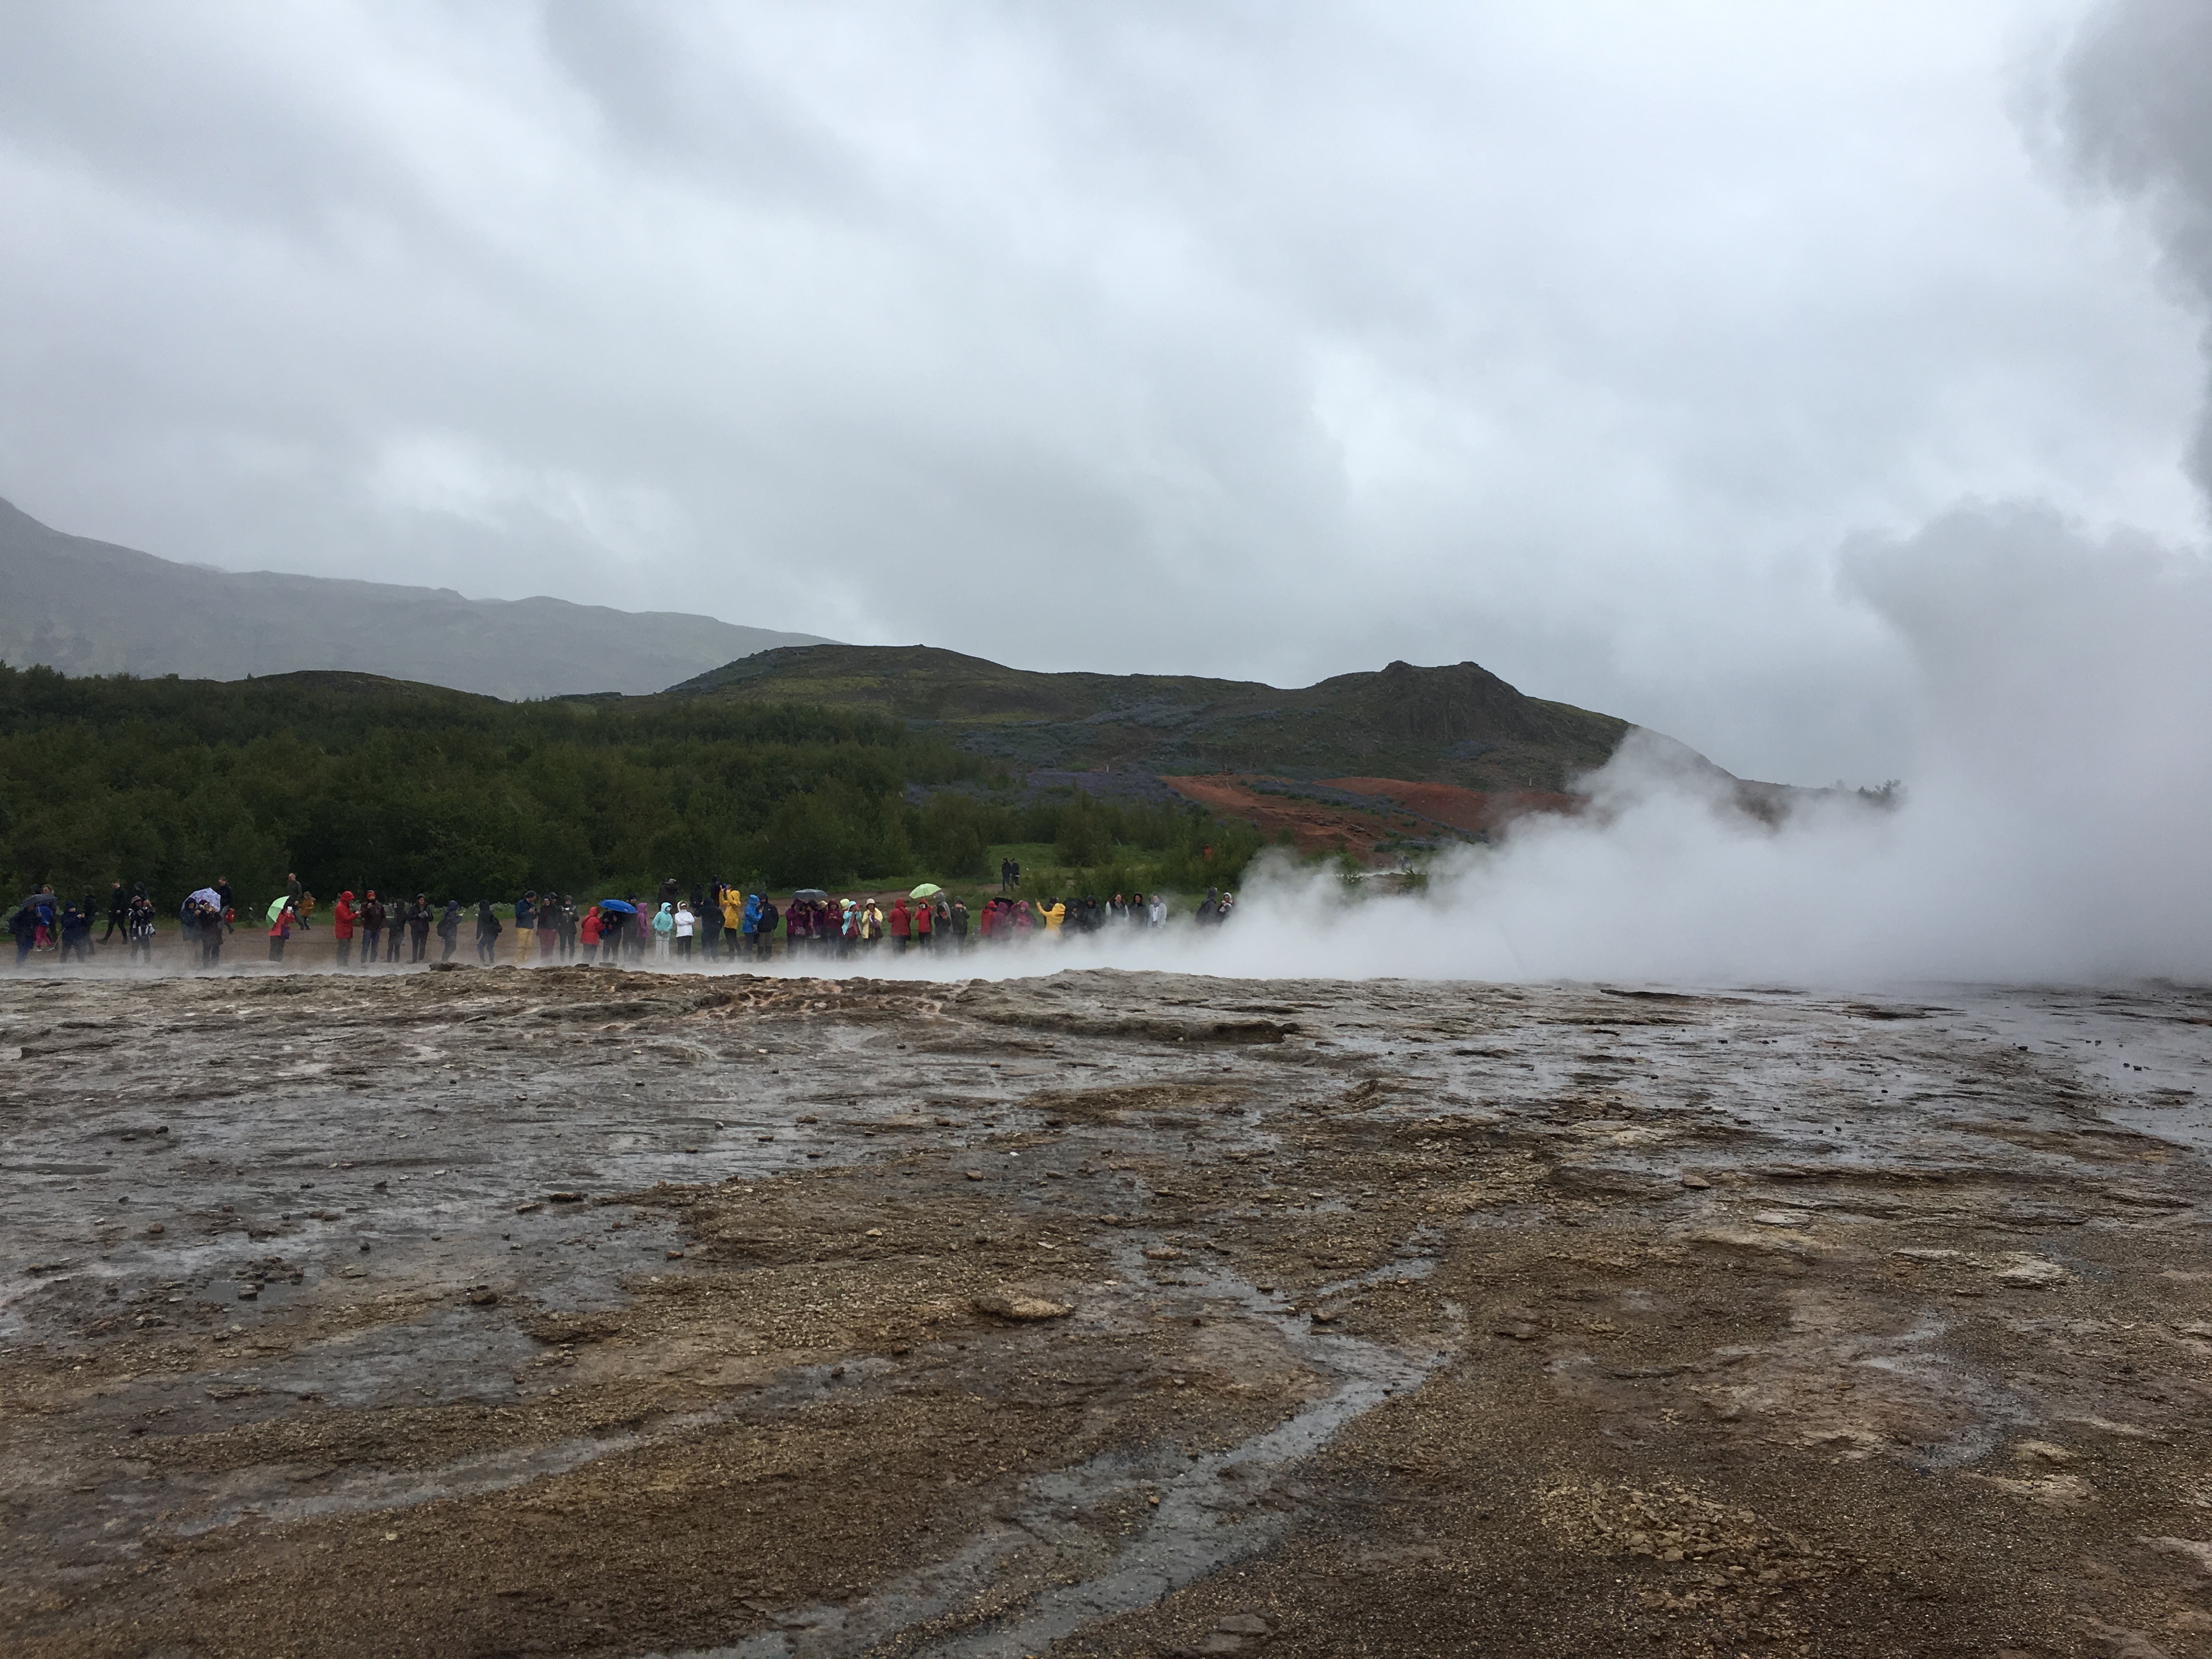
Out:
{"x": 1459, "y": 723}
{"x": 356, "y": 781}
{"x": 815, "y": 765}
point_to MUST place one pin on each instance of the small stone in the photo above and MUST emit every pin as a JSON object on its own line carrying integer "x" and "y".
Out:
{"x": 1161, "y": 1253}
{"x": 1243, "y": 1624}
{"x": 1019, "y": 1304}
{"x": 352, "y": 1272}
{"x": 1520, "y": 1330}
{"x": 1696, "y": 1182}
{"x": 2032, "y": 1272}
{"x": 1324, "y": 1316}
{"x": 483, "y": 1296}
{"x": 155, "y": 1231}
{"x": 564, "y": 1198}
{"x": 528, "y": 1209}
{"x": 675, "y": 1255}
{"x": 873, "y": 1232}
{"x": 248, "y": 1292}
{"x": 974, "y": 1175}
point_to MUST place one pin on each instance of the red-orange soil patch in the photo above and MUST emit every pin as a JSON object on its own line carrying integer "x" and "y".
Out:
{"x": 1314, "y": 826}
{"x": 1463, "y": 809}
{"x": 1392, "y": 807}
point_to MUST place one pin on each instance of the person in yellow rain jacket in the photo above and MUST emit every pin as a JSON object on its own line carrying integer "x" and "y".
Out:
{"x": 1052, "y": 914}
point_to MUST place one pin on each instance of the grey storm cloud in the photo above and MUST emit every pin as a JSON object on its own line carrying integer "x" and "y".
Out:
{"x": 1243, "y": 340}
{"x": 2139, "y": 116}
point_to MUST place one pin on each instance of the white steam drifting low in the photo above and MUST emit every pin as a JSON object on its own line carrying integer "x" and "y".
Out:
{"x": 2058, "y": 827}
{"x": 2058, "y": 824}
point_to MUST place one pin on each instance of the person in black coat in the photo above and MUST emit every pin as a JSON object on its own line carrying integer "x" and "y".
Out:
{"x": 76, "y": 932}
{"x": 710, "y": 922}
{"x": 372, "y": 930}
{"x": 488, "y": 931}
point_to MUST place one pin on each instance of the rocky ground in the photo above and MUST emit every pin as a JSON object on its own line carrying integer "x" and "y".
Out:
{"x": 587, "y": 1311}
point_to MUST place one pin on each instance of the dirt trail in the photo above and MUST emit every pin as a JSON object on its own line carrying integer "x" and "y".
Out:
{"x": 600, "y": 1312}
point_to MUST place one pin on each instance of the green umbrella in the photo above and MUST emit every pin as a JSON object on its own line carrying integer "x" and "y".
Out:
{"x": 276, "y": 908}
{"x": 927, "y": 889}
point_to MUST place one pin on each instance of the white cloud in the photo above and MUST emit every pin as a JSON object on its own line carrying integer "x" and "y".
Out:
{"x": 1572, "y": 338}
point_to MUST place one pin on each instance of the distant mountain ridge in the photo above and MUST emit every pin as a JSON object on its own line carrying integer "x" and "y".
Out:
{"x": 1458, "y": 724}
{"x": 90, "y": 607}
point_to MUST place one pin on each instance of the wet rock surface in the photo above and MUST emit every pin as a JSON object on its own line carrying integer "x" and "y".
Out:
{"x": 578, "y": 1310}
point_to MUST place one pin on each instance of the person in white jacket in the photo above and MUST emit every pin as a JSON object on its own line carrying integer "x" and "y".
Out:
{"x": 686, "y": 924}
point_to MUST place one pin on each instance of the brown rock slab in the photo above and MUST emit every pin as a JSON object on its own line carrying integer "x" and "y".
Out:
{"x": 1019, "y": 1305}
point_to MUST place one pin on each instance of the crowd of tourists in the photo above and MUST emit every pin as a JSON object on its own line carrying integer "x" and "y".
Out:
{"x": 63, "y": 928}
{"x": 714, "y": 921}
{"x": 711, "y": 922}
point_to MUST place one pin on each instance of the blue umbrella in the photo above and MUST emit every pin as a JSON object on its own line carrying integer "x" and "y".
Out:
{"x": 622, "y": 905}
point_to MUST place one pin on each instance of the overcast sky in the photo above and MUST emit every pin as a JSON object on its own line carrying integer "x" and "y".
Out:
{"x": 1255, "y": 340}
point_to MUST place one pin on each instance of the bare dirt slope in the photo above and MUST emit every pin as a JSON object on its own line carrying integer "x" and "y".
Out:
{"x": 1463, "y": 809}
{"x": 1455, "y": 722}
{"x": 583, "y": 1311}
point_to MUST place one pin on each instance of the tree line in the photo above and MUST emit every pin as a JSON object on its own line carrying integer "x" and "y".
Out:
{"x": 349, "y": 779}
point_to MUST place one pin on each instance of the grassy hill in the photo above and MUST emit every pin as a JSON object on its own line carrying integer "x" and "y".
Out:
{"x": 816, "y": 765}
{"x": 352, "y": 781}
{"x": 1458, "y": 725}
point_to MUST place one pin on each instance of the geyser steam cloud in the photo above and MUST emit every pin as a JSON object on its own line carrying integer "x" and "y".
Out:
{"x": 2058, "y": 823}
{"x": 2059, "y": 827}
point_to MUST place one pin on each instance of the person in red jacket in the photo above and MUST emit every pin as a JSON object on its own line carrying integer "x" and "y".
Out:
{"x": 925, "y": 924}
{"x": 280, "y": 931}
{"x": 342, "y": 920}
{"x": 899, "y": 925}
{"x": 589, "y": 929}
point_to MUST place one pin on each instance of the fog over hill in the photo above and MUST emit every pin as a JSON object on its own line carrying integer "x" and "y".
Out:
{"x": 89, "y": 607}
